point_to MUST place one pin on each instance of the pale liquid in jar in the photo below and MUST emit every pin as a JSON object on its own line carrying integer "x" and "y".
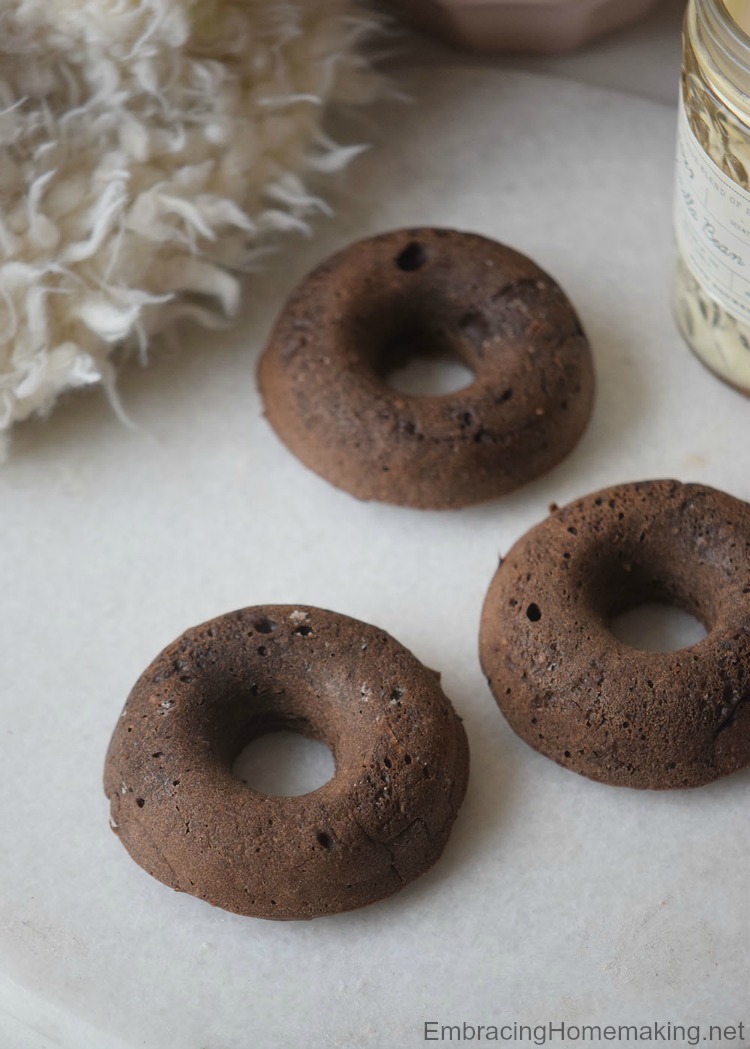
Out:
{"x": 711, "y": 298}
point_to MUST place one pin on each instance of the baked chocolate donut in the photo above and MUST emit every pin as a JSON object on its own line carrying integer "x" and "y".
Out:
{"x": 593, "y": 703}
{"x": 400, "y": 750}
{"x": 424, "y": 292}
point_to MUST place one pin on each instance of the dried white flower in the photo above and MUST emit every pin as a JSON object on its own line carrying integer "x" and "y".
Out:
{"x": 148, "y": 148}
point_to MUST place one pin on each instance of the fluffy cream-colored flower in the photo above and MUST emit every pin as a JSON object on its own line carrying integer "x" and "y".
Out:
{"x": 148, "y": 147}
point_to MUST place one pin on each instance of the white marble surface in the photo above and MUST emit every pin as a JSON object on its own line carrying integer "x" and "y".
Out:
{"x": 557, "y": 898}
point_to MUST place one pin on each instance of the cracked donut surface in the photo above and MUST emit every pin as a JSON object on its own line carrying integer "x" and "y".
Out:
{"x": 379, "y": 303}
{"x": 593, "y": 703}
{"x": 400, "y": 751}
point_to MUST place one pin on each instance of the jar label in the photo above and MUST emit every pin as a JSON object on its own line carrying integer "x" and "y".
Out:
{"x": 712, "y": 223}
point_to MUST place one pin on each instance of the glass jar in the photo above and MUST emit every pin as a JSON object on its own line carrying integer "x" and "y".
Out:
{"x": 711, "y": 287}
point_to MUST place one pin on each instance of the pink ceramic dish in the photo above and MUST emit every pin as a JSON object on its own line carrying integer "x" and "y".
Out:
{"x": 541, "y": 26}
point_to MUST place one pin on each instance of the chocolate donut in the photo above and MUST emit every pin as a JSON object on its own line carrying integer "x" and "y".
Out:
{"x": 383, "y": 819}
{"x": 588, "y": 700}
{"x": 423, "y": 292}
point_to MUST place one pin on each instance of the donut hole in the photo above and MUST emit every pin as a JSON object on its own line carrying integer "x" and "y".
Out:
{"x": 417, "y": 359}
{"x": 656, "y": 613}
{"x": 657, "y": 627}
{"x": 412, "y": 344}
{"x": 651, "y": 595}
{"x": 432, "y": 376}
{"x": 284, "y": 760}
